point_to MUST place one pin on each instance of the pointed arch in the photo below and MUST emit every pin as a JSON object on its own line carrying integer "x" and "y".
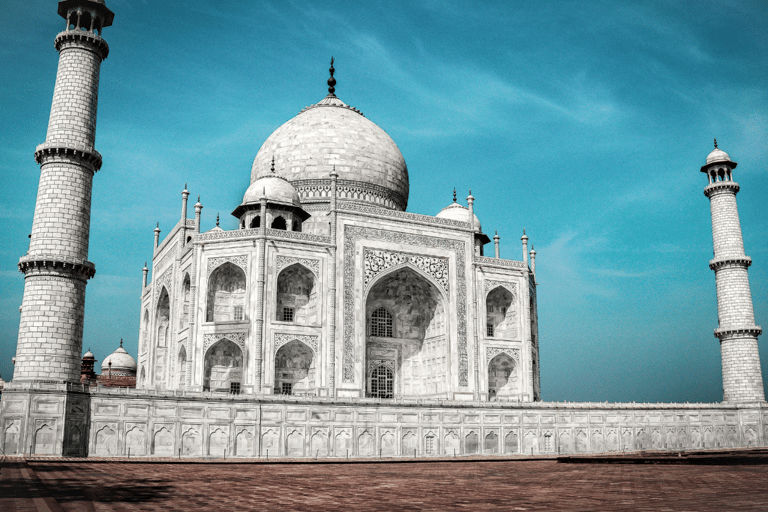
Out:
{"x": 182, "y": 367}
{"x": 279, "y": 223}
{"x": 503, "y": 377}
{"x": 501, "y": 318}
{"x": 295, "y": 371}
{"x": 226, "y": 294}
{"x": 145, "y": 331}
{"x": 223, "y": 367}
{"x": 255, "y": 222}
{"x": 297, "y": 295}
{"x": 162, "y": 318}
{"x": 185, "y": 298}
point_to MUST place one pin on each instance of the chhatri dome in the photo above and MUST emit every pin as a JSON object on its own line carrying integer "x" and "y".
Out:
{"x": 370, "y": 166}
{"x": 456, "y": 211}
{"x": 122, "y": 362}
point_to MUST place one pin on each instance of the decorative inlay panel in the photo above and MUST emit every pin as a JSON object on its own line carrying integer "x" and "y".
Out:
{"x": 164, "y": 280}
{"x": 491, "y": 352}
{"x": 354, "y": 233}
{"x": 284, "y": 261}
{"x": 310, "y": 340}
{"x": 385, "y": 212}
{"x": 236, "y": 337}
{"x": 240, "y": 261}
{"x": 377, "y": 261}
{"x": 387, "y": 363}
{"x": 485, "y": 260}
{"x": 490, "y": 285}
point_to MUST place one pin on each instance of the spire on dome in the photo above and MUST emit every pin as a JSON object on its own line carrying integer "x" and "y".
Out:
{"x": 454, "y": 194}
{"x": 331, "y": 81}
{"x": 273, "y": 164}
{"x": 121, "y": 342}
{"x": 715, "y": 143}
{"x": 217, "y": 219}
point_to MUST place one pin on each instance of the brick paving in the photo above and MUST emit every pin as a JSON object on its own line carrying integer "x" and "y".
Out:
{"x": 396, "y": 485}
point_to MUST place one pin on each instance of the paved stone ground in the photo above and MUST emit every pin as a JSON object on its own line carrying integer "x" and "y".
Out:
{"x": 62, "y": 485}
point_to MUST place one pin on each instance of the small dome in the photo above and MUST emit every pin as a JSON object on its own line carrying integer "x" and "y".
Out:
{"x": 717, "y": 155}
{"x": 121, "y": 361}
{"x": 89, "y": 355}
{"x": 455, "y": 211}
{"x": 275, "y": 188}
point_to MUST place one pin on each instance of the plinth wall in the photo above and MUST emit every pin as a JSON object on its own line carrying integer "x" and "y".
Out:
{"x": 117, "y": 421}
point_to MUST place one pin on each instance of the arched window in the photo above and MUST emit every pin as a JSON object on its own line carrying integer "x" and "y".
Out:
{"x": 256, "y": 222}
{"x": 501, "y": 320}
{"x": 294, "y": 369}
{"x": 382, "y": 382}
{"x": 226, "y": 294}
{"x": 296, "y": 225}
{"x": 223, "y": 370}
{"x": 163, "y": 318}
{"x": 502, "y": 377}
{"x": 381, "y": 323}
{"x": 182, "y": 367}
{"x": 279, "y": 223}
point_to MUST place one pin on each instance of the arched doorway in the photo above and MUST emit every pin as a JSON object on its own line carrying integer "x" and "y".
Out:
{"x": 296, "y": 296}
{"x": 381, "y": 382}
{"x": 294, "y": 369}
{"x": 501, "y": 319}
{"x": 226, "y": 294}
{"x": 223, "y": 367}
{"x": 502, "y": 377}
{"x": 406, "y": 333}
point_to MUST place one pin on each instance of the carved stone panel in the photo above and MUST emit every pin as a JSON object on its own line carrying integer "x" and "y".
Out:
{"x": 376, "y": 261}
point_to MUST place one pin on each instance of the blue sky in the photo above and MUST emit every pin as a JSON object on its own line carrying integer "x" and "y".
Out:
{"x": 583, "y": 122}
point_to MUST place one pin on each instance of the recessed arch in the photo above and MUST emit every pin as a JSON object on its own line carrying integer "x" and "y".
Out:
{"x": 145, "y": 331}
{"x": 182, "y": 367}
{"x": 162, "y": 318}
{"x": 295, "y": 373}
{"x": 279, "y": 223}
{"x": 226, "y": 294}
{"x": 501, "y": 318}
{"x": 255, "y": 222}
{"x": 185, "y": 297}
{"x": 297, "y": 295}
{"x": 223, "y": 367}
{"x": 417, "y": 351}
{"x": 503, "y": 377}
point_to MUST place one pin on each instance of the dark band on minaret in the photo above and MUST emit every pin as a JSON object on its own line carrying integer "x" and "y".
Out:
{"x": 331, "y": 81}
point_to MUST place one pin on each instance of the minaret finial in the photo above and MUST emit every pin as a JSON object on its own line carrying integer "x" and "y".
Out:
{"x": 715, "y": 143}
{"x": 185, "y": 186}
{"x": 217, "y": 219}
{"x": 454, "y": 194}
{"x": 331, "y": 81}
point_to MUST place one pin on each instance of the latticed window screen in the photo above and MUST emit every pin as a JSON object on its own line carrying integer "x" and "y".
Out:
{"x": 238, "y": 313}
{"x": 489, "y": 329}
{"x": 430, "y": 445}
{"x": 286, "y": 388}
{"x": 382, "y": 382}
{"x": 287, "y": 314}
{"x": 381, "y": 323}
{"x": 548, "y": 443}
{"x": 234, "y": 388}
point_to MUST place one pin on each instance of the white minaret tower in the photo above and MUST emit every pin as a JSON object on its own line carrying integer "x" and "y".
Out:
{"x": 737, "y": 332}
{"x": 56, "y": 267}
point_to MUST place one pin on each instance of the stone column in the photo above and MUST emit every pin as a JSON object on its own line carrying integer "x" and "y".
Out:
{"x": 524, "y": 239}
{"x": 737, "y": 332}
{"x": 496, "y": 239}
{"x": 258, "y": 342}
{"x": 56, "y": 267}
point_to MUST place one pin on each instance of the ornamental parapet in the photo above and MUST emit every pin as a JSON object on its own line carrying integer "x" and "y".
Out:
{"x": 92, "y": 39}
{"x": 71, "y": 150}
{"x": 239, "y": 234}
{"x": 740, "y": 262}
{"x": 49, "y": 264}
{"x": 497, "y": 262}
{"x": 365, "y": 209}
{"x": 720, "y": 187}
{"x": 319, "y": 190}
{"x": 724, "y": 333}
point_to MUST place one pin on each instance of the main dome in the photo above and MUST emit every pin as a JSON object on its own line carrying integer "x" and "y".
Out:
{"x": 330, "y": 133}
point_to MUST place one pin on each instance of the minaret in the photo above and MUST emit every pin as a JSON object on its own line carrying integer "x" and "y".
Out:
{"x": 737, "y": 332}
{"x": 56, "y": 267}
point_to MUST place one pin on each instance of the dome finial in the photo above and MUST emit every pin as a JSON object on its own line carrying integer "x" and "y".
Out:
{"x": 121, "y": 342}
{"x": 273, "y": 164}
{"x": 454, "y": 194}
{"x": 217, "y": 219}
{"x": 331, "y": 81}
{"x": 715, "y": 143}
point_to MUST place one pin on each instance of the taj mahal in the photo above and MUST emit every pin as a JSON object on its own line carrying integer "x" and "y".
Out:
{"x": 331, "y": 322}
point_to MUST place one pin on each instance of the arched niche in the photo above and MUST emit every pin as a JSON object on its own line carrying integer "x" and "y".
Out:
{"x": 162, "y": 318}
{"x": 296, "y": 296}
{"x": 295, "y": 369}
{"x": 255, "y": 222}
{"x": 418, "y": 348}
{"x": 226, "y": 294}
{"x": 144, "y": 331}
{"x": 182, "y": 366}
{"x": 502, "y": 377}
{"x": 501, "y": 318}
{"x": 223, "y": 370}
{"x": 185, "y": 296}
